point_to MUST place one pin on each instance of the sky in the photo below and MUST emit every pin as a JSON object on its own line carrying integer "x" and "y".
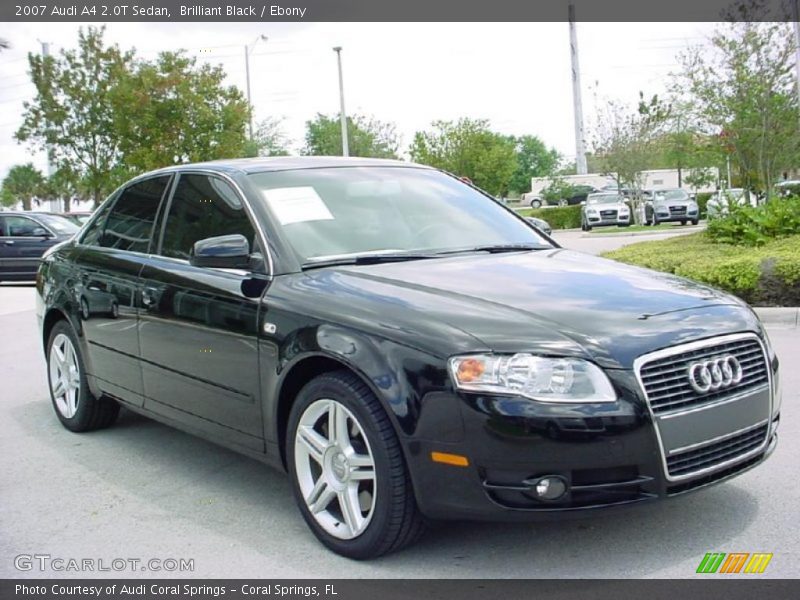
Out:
{"x": 517, "y": 75}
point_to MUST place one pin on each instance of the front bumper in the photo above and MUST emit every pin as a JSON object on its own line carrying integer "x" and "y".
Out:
{"x": 598, "y": 220}
{"x": 609, "y": 455}
{"x": 674, "y": 216}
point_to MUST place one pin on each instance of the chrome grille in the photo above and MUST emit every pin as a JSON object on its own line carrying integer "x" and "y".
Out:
{"x": 608, "y": 214}
{"x": 666, "y": 380}
{"x": 677, "y": 210}
{"x": 716, "y": 452}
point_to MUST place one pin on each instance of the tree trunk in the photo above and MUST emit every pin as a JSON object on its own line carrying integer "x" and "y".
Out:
{"x": 26, "y": 203}
{"x": 67, "y": 203}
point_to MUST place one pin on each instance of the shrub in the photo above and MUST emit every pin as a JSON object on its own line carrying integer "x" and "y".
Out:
{"x": 557, "y": 190}
{"x": 559, "y": 217}
{"x": 756, "y": 226}
{"x": 768, "y": 275}
{"x": 702, "y": 200}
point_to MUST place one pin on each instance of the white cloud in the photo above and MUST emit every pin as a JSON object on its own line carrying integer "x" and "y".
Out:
{"x": 515, "y": 74}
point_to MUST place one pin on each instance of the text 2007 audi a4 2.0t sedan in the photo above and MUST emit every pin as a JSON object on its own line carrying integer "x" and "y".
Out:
{"x": 403, "y": 345}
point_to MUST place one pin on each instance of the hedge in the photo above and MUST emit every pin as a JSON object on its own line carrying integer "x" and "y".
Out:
{"x": 559, "y": 217}
{"x": 768, "y": 275}
{"x": 702, "y": 200}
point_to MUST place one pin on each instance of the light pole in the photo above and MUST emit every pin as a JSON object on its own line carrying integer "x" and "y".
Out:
{"x": 796, "y": 18}
{"x": 342, "y": 114}
{"x": 247, "y": 50}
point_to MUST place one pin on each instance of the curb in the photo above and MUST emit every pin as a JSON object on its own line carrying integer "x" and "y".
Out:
{"x": 782, "y": 316}
{"x": 678, "y": 231}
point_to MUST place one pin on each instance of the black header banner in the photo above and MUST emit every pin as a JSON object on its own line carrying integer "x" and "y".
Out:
{"x": 733, "y": 588}
{"x": 394, "y": 10}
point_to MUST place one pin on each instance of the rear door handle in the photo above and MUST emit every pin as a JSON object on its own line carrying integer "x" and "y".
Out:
{"x": 147, "y": 298}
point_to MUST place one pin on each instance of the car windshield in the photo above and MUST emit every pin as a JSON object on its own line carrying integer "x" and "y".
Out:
{"x": 59, "y": 224}
{"x": 352, "y": 211}
{"x": 672, "y": 195}
{"x": 605, "y": 199}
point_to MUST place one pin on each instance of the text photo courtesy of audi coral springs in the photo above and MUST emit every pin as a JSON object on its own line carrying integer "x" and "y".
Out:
{"x": 403, "y": 345}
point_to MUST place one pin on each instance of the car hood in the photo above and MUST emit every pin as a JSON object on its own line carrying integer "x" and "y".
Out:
{"x": 553, "y": 301}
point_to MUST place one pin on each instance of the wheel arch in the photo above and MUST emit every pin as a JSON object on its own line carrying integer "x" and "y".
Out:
{"x": 388, "y": 370}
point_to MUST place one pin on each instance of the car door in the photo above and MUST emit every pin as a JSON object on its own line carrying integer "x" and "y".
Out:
{"x": 111, "y": 254}
{"x": 198, "y": 328}
{"x": 23, "y": 240}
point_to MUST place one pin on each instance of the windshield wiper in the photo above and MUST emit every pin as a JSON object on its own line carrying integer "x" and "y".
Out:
{"x": 498, "y": 248}
{"x": 364, "y": 259}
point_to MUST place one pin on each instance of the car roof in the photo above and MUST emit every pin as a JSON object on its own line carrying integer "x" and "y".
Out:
{"x": 286, "y": 163}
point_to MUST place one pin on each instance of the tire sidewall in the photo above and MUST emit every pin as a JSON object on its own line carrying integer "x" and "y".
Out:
{"x": 325, "y": 387}
{"x": 79, "y": 420}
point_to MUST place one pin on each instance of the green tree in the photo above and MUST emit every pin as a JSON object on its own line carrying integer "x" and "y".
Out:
{"x": 366, "y": 137}
{"x": 173, "y": 110}
{"x": 63, "y": 185}
{"x": 23, "y": 183}
{"x": 468, "y": 148}
{"x": 72, "y": 115}
{"x": 269, "y": 139}
{"x": 741, "y": 90}
{"x": 534, "y": 159}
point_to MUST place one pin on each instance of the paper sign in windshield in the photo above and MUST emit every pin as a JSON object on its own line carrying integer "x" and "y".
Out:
{"x": 297, "y": 205}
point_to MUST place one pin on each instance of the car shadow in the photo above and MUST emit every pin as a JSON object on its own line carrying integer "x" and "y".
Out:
{"x": 252, "y": 506}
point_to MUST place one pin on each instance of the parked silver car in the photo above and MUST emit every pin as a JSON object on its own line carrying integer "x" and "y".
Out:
{"x": 604, "y": 209}
{"x": 721, "y": 203}
{"x": 671, "y": 206}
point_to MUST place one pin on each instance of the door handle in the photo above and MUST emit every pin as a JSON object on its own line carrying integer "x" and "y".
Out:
{"x": 147, "y": 298}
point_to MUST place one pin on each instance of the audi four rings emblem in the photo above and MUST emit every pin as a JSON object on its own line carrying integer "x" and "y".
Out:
{"x": 715, "y": 374}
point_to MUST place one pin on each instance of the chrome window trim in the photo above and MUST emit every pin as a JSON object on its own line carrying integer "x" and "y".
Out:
{"x": 688, "y": 347}
{"x": 176, "y": 172}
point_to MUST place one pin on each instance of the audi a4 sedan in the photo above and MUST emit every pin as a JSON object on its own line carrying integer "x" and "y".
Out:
{"x": 402, "y": 345}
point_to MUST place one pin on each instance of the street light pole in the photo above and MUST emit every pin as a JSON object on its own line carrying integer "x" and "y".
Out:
{"x": 342, "y": 114}
{"x": 247, "y": 50}
{"x": 796, "y": 18}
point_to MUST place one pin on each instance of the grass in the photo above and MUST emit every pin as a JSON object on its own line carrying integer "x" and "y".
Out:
{"x": 633, "y": 228}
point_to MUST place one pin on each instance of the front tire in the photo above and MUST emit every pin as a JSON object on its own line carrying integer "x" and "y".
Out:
{"x": 75, "y": 406}
{"x": 347, "y": 469}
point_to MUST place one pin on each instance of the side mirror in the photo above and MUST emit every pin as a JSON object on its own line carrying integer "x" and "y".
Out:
{"x": 222, "y": 252}
{"x": 583, "y": 202}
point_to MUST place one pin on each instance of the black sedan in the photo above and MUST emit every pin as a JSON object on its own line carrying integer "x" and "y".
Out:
{"x": 400, "y": 343}
{"x": 24, "y": 237}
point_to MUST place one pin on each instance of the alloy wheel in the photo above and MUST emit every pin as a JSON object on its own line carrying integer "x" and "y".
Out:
{"x": 335, "y": 469}
{"x": 65, "y": 376}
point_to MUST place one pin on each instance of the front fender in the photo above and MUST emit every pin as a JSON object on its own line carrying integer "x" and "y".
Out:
{"x": 399, "y": 376}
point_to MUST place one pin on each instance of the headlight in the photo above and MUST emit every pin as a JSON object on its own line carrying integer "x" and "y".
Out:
{"x": 591, "y": 211}
{"x": 535, "y": 377}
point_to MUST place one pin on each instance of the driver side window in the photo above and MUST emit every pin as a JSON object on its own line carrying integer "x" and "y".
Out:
{"x": 203, "y": 207}
{"x": 22, "y": 227}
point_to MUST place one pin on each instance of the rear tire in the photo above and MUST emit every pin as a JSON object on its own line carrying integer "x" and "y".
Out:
{"x": 75, "y": 406}
{"x": 695, "y": 221}
{"x": 352, "y": 486}
{"x": 536, "y": 203}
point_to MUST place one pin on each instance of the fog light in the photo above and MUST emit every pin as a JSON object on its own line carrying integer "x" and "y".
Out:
{"x": 550, "y": 488}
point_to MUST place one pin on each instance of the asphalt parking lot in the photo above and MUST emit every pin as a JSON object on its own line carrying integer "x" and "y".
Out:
{"x": 142, "y": 490}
